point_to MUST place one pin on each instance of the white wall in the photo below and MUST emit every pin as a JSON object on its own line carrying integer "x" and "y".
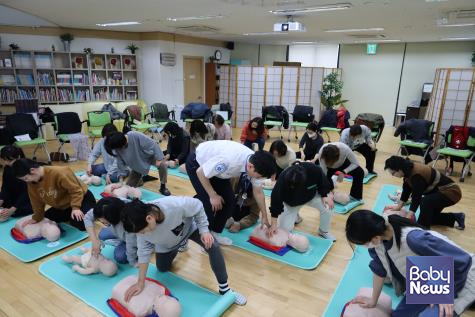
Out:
{"x": 259, "y": 54}
{"x": 370, "y": 82}
{"x": 316, "y": 55}
{"x": 157, "y": 83}
{"x": 421, "y": 61}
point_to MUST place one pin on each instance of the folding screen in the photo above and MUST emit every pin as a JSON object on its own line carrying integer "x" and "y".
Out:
{"x": 452, "y": 99}
{"x": 249, "y": 88}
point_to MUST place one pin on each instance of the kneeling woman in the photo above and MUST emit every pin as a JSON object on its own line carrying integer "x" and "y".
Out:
{"x": 163, "y": 226}
{"x": 429, "y": 189}
{"x": 390, "y": 240}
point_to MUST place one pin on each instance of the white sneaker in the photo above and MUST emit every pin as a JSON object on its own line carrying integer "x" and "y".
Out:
{"x": 220, "y": 239}
{"x": 326, "y": 235}
{"x": 229, "y": 222}
{"x": 298, "y": 219}
{"x": 239, "y": 299}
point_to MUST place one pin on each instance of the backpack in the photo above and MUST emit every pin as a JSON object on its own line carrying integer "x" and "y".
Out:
{"x": 303, "y": 114}
{"x": 459, "y": 137}
{"x": 46, "y": 114}
{"x": 115, "y": 114}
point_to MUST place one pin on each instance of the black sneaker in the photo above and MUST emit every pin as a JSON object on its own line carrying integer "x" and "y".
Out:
{"x": 165, "y": 192}
{"x": 460, "y": 220}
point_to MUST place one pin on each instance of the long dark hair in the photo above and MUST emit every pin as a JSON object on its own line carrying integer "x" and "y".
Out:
{"x": 173, "y": 129}
{"x": 257, "y": 124}
{"x": 11, "y": 152}
{"x": 115, "y": 140}
{"x": 295, "y": 176}
{"x": 363, "y": 225}
{"x": 23, "y": 166}
{"x": 109, "y": 208}
{"x": 397, "y": 163}
{"x": 198, "y": 127}
{"x": 134, "y": 215}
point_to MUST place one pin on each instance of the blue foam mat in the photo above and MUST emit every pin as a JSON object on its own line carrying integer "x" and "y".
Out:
{"x": 96, "y": 289}
{"x": 173, "y": 172}
{"x": 147, "y": 195}
{"x": 366, "y": 179}
{"x": 36, "y": 250}
{"x": 358, "y": 273}
{"x": 309, "y": 260}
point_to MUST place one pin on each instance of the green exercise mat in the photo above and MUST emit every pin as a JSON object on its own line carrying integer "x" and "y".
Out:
{"x": 36, "y": 250}
{"x": 96, "y": 289}
{"x": 147, "y": 195}
{"x": 358, "y": 273}
{"x": 173, "y": 172}
{"x": 366, "y": 179}
{"x": 309, "y": 260}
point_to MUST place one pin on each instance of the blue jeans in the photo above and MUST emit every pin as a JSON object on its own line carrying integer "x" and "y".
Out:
{"x": 100, "y": 169}
{"x": 120, "y": 255}
{"x": 260, "y": 142}
{"x": 415, "y": 310}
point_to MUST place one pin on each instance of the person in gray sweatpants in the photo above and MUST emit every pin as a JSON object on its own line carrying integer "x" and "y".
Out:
{"x": 138, "y": 152}
{"x": 165, "y": 224}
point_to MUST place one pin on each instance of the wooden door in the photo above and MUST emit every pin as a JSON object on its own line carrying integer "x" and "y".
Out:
{"x": 193, "y": 79}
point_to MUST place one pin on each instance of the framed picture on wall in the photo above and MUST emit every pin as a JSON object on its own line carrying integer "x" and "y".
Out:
{"x": 7, "y": 62}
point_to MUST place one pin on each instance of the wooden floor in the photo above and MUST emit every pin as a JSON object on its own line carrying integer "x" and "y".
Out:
{"x": 272, "y": 289}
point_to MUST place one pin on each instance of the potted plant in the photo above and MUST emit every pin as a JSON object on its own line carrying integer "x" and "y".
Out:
{"x": 330, "y": 95}
{"x": 132, "y": 48}
{"x": 88, "y": 50}
{"x": 67, "y": 38}
{"x": 14, "y": 46}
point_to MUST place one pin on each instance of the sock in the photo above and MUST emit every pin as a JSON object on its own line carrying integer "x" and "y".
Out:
{"x": 223, "y": 288}
{"x": 163, "y": 186}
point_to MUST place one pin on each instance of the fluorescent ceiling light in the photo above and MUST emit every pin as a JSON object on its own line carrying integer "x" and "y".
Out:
{"x": 378, "y": 41}
{"x": 203, "y": 17}
{"x": 354, "y": 30}
{"x": 436, "y": 0}
{"x": 302, "y": 43}
{"x": 458, "y": 24}
{"x": 331, "y": 7}
{"x": 264, "y": 33}
{"x": 118, "y": 23}
{"x": 458, "y": 39}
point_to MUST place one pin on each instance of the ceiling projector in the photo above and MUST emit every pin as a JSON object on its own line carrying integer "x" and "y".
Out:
{"x": 289, "y": 26}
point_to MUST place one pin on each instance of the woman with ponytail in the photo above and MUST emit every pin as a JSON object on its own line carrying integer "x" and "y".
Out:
{"x": 389, "y": 241}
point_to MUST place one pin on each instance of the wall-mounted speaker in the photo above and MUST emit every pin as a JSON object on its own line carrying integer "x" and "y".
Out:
{"x": 230, "y": 45}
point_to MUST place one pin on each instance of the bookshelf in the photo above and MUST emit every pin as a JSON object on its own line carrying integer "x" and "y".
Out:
{"x": 64, "y": 77}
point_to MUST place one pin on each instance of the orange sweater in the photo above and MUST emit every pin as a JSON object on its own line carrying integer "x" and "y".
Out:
{"x": 59, "y": 188}
{"x": 247, "y": 135}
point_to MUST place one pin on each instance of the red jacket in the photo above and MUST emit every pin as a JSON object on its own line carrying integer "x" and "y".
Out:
{"x": 246, "y": 134}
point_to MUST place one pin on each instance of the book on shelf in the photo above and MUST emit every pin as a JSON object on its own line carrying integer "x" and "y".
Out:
{"x": 100, "y": 94}
{"x": 47, "y": 94}
{"x": 130, "y": 81}
{"x": 80, "y": 79}
{"x": 98, "y": 80}
{"x": 82, "y": 95}
{"x": 65, "y": 94}
{"x": 26, "y": 93}
{"x": 131, "y": 95}
{"x": 115, "y": 94}
{"x": 7, "y": 80}
{"x": 8, "y": 95}
{"x": 25, "y": 79}
{"x": 22, "y": 60}
{"x": 63, "y": 79}
{"x": 45, "y": 79}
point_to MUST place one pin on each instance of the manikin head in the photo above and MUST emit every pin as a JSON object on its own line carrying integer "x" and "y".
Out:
{"x": 50, "y": 232}
{"x": 166, "y": 306}
{"x": 341, "y": 198}
{"x": 298, "y": 242}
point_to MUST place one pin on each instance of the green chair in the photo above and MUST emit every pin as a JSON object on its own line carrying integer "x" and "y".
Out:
{"x": 24, "y": 123}
{"x": 143, "y": 126}
{"x": 465, "y": 155}
{"x": 96, "y": 120}
{"x": 301, "y": 117}
{"x": 416, "y": 148}
{"x": 272, "y": 119}
{"x": 330, "y": 129}
{"x": 65, "y": 125}
{"x": 160, "y": 114}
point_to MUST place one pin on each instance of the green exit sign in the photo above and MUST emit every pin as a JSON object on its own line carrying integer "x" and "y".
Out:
{"x": 371, "y": 49}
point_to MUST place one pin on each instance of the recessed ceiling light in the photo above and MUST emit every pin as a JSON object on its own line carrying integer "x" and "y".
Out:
{"x": 202, "y": 17}
{"x": 458, "y": 39}
{"x": 378, "y": 41}
{"x": 264, "y": 33}
{"x": 331, "y": 7}
{"x": 118, "y": 23}
{"x": 457, "y": 24}
{"x": 303, "y": 43}
{"x": 354, "y": 30}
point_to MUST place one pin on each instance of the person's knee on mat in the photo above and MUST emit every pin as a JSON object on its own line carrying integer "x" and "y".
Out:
{"x": 120, "y": 255}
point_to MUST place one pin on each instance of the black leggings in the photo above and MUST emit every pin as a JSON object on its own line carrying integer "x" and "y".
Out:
{"x": 357, "y": 184}
{"x": 223, "y": 188}
{"x": 64, "y": 215}
{"x": 369, "y": 156}
{"x": 431, "y": 211}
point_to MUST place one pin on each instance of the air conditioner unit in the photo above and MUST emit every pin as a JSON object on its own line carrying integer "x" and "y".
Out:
{"x": 289, "y": 27}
